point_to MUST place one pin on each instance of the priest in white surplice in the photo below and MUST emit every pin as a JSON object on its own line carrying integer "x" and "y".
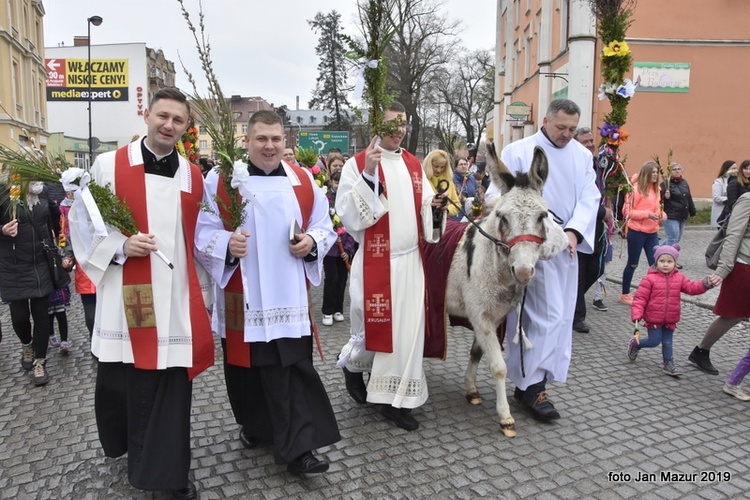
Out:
{"x": 276, "y": 395}
{"x": 387, "y": 287}
{"x": 151, "y": 332}
{"x": 571, "y": 193}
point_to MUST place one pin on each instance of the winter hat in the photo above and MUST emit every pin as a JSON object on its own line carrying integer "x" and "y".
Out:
{"x": 673, "y": 250}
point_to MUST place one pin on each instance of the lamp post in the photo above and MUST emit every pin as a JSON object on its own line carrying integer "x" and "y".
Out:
{"x": 96, "y": 21}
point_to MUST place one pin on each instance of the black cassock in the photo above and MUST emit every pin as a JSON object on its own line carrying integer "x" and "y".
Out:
{"x": 281, "y": 399}
{"x": 146, "y": 414}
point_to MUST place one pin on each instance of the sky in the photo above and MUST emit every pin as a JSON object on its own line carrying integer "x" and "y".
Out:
{"x": 259, "y": 47}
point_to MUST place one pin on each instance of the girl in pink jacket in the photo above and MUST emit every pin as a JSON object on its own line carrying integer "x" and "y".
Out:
{"x": 657, "y": 302}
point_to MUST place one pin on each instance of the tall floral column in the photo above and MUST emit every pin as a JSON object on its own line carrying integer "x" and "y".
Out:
{"x": 614, "y": 18}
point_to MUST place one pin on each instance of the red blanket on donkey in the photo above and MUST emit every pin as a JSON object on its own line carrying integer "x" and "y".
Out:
{"x": 437, "y": 264}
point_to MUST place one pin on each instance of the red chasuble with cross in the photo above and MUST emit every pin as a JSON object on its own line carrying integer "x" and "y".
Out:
{"x": 130, "y": 186}
{"x": 376, "y": 261}
{"x": 238, "y": 351}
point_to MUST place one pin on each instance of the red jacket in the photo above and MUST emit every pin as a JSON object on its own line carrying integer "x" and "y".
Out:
{"x": 657, "y": 300}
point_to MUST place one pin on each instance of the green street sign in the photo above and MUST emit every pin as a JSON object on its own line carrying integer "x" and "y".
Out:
{"x": 324, "y": 140}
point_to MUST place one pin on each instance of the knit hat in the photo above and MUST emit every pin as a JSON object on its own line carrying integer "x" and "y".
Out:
{"x": 673, "y": 250}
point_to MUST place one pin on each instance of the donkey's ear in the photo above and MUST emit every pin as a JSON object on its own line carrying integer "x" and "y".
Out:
{"x": 499, "y": 173}
{"x": 539, "y": 169}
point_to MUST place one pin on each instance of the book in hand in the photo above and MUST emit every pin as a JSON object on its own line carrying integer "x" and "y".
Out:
{"x": 294, "y": 229}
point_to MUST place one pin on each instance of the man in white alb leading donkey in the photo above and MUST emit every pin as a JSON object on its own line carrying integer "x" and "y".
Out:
{"x": 151, "y": 333}
{"x": 386, "y": 203}
{"x": 571, "y": 193}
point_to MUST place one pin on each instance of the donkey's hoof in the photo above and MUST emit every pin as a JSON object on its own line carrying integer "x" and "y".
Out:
{"x": 474, "y": 398}
{"x": 508, "y": 430}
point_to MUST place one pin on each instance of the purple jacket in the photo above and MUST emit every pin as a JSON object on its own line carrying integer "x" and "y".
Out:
{"x": 657, "y": 300}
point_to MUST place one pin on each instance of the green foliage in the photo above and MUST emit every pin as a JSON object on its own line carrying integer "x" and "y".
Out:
{"x": 306, "y": 156}
{"x": 330, "y": 87}
{"x": 215, "y": 115}
{"x": 115, "y": 212}
{"x": 378, "y": 29}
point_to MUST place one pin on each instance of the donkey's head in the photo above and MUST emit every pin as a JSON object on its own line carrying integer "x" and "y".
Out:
{"x": 517, "y": 217}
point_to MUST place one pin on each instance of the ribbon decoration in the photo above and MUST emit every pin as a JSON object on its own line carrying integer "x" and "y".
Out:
{"x": 76, "y": 180}
{"x": 359, "y": 85}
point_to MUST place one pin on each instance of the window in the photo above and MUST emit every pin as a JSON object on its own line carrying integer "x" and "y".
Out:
{"x": 516, "y": 62}
{"x": 244, "y": 128}
{"x": 203, "y": 144}
{"x": 325, "y": 119}
{"x": 312, "y": 119}
{"x": 236, "y": 115}
{"x": 299, "y": 119}
{"x": 81, "y": 160}
{"x": 527, "y": 54}
{"x": 201, "y": 129}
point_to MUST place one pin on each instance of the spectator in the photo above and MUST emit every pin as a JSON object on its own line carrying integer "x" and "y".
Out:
{"x": 335, "y": 162}
{"x": 657, "y": 302}
{"x": 719, "y": 192}
{"x": 678, "y": 205}
{"x": 732, "y": 305}
{"x": 466, "y": 183}
{"x": 643, "y": 213}
{"x": 288, "y": 156}
{"x": 25, "y": 279}
{"x": 739, "y": 185}
{"x": 437, "y": 166}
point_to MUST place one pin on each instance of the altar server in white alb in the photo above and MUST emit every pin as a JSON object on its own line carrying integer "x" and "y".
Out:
{"x": 152, "y": 334}
{"x": 276, "y": 395}
{"x": 571, "y": 193}
{"x": 386, "y": 203}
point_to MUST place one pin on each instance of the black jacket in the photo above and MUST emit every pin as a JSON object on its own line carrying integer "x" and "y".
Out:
{"x": 680, "y": 202}
{"x": 24, "y": 272}
{"x": 734, "y": 191}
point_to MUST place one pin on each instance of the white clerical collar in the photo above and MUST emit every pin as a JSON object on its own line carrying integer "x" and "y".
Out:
{"x": 158, "y": 157}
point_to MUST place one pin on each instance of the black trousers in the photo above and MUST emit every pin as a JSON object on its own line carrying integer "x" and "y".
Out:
{"x": 89, "y": 310}
{"x": 590, "y": 267}
{"x": 283, "y": 405}
{"x": 146, "y": 414}
{"x": 21, "y": 313}
{"x": 334, "y": 284}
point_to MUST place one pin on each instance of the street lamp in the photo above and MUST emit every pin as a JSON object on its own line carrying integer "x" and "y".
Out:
{"x": 96, "y": 21}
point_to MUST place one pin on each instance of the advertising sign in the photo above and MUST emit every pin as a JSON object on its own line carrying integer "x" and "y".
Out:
{"x": 323, "y": 140}
{"x": 68, "y": 79}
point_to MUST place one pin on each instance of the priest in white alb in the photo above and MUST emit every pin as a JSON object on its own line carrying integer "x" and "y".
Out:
{"x": 386, "y": 202}
{"x": 571, "y": 194}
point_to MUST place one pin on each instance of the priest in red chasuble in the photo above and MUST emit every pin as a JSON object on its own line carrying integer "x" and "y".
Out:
{"x": 261, "y": 311}
{"x": 387, "y": 204}
{"x": 152, "y": 334}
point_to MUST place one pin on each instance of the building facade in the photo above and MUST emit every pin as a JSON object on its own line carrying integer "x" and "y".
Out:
{"x": 124, "y": 76}
{"x": 242, "y": 108}
{"x": 689, "y": 54}
{"x": 23, "y": 109}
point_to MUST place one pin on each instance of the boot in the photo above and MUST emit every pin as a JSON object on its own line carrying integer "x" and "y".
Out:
{"x": 700, "y": 358}
{"x": 27, "y": 356}
{"x": 535, "y": 399}
{"x": 40, "y": 375}
{"x": 355, "y": 386}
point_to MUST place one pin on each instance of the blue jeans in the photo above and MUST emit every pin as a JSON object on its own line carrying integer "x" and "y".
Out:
{"x": 673, "y": 229}
{"x": 658, "y": 336}
{"x": 638, "y": 241}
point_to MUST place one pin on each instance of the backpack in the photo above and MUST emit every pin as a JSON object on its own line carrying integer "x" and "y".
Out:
{"x": 713, "y": 251}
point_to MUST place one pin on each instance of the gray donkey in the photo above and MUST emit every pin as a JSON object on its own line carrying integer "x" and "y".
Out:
{"x": 491, "y": 268}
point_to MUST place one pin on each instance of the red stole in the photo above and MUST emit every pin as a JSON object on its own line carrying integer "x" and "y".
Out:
{"x": 376, "y": 262}
{"x": 130, "y": 186}
{"x": 237, "y": 350}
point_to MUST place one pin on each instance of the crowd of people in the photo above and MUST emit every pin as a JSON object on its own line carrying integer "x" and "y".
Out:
{"x": 151, "y": 324}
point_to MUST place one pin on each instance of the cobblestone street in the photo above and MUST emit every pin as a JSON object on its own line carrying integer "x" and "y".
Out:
{"x": 617, "y": 417}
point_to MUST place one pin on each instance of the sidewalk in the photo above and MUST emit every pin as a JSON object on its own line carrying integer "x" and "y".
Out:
{"x": 618, "y": 419}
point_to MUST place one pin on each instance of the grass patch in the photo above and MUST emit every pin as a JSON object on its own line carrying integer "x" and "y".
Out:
{"x": 702, "y": 218}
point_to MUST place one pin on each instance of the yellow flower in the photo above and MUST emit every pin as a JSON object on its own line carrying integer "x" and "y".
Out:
{"x": 616, "y": 49}
{"x": 15, "y": 192}
{"x": 336, "y": 220}
{"x": 317, "y": 181}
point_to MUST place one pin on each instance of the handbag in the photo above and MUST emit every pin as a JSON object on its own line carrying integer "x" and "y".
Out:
{"x": 713, "y": 251}
{"x": 60, "y": 276}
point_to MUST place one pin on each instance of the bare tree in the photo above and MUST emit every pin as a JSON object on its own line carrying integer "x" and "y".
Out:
{"x": 422, "y": 45}
{"x": 468, "y": 92}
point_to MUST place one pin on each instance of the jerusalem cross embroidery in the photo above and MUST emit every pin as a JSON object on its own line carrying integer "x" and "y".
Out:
{"x": 377, "y": 305}
{"x": 377, "y": 246}
{"x": 235, "y": 314}
{"x": 416, "y": 178}
{"x": 139, "y": 306}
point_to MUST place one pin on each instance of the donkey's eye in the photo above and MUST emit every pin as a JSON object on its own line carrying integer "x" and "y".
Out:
{"x": 541, "y": 217}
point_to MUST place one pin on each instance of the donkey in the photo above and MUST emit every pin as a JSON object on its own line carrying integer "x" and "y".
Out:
{"x": 489, "y": 272}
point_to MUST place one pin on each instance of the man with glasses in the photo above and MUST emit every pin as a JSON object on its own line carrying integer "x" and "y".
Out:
{"x": 386, "y": 203}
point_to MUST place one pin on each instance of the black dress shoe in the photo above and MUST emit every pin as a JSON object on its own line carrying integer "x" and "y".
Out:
{"x": 249, "y": 442}
{"x": 518, "y": 394}
{"x": 187, "y": 493}
{"x": 401, "y": 417}
{"x": 581, "y": 327}
{"x": 307, "y": 464}
{"x": 355, "y": 386}
{"x": 542, "y": 409}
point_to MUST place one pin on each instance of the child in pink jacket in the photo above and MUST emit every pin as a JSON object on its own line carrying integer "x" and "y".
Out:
{"x": 657, "y": 302}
